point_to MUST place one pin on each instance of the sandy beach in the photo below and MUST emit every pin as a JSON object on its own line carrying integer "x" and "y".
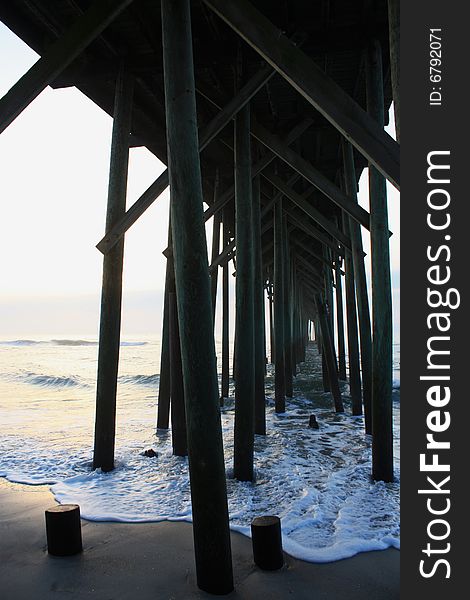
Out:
{"x": 155, "y": 561}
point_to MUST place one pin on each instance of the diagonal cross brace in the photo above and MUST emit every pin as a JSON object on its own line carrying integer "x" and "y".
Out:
{"x": 313, "y": 84}
{"x": 207, "y": 135}
{"x": 62, "y": 52}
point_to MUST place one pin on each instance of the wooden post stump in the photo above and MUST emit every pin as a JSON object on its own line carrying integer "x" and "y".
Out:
{"x": 267, "y": 542}
{"x": 63, "y": 530}
{"x": 312, "y": 422}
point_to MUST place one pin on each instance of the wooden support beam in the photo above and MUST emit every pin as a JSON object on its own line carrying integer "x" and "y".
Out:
{"x": 58, "y": 56}
{"x": 178, "y": 413}
{"x": 215, "y": 252}
{"x": 225, "y": 320}
{"x": 288, "y": 312}
{"x": 361, "y": 289}
{"x": 258, "y": 167}
{"x": 328, "y": 279}
{"x": 205, "y": 446}
{"x": 241, "y": 99}
{"x": 164, "y": 388}
{"x": 382, "y": 435}
{"x": 111, "y": 292}
{"x": 301, "y": 244}
{"x": 259, "y": 333}
{"x": 279, "y": 312}
{"x": 271, "y": 321}
{"x": 308, "y": 265}
{"x": 313, "y": 84}
{"x": 340, "y": 323}
{"x": 244, "y": 323}
{"x": 312, "y": 231}
{"x": 208, "y": 133}
{"x": 308, "y": 209}
{"x": 229, "y": 250}
{"x": 353, "y": 338}
{"x": 317, "y": 179}
{"x": 329, "y": 354}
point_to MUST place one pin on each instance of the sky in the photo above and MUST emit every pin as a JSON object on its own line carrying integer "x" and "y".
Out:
{"x": 54, "y": 166}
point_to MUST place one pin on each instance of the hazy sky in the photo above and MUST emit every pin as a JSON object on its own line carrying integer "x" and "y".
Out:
{"x": 54, "y": 165}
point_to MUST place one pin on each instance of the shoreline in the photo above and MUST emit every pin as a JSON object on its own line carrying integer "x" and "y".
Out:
{"x": 156, "y": 561}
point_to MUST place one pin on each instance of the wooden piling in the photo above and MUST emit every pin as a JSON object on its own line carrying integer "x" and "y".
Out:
{"x": 353, "y": 337}
{"x": 178, "y": 413}
{"x": 271, "y": 321}
{"x": 382, "y": 437}
{"x": 205, "y": 448}
{"x": 279, "y": 373}
{"x": 328, "y": 352}
{"x": 225, "y": 320}
{"x": 324, "y": 368}
{"x": 111, "y": 293}
{"x": 340, "y": 322}
{"x": 361, "y": 288}
{"x": 63, "y": 530}
{"x": 164, "y": 388}
{"x": 259, "y": 334}
{"x": 244, "y": 316}
{"x": 267, "y": 542}
{"x": 287, "y": 314}
{"x": 215, "y": 248}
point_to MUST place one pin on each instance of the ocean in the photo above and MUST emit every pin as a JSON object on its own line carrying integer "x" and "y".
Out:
{"x": 317, "y": 481}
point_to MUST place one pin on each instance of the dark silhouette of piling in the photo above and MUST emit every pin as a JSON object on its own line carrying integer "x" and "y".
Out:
{"x": 244, "y": 321}
{"x": 206, "y": 460}
{"x": 63, "y": 530}
{"x": 279, "y": 311}
{"x": 225, "y": 322}
{"x": 111, "y": 294}
{"x": 259, "y": 333}
{"x": 382, "y": 436}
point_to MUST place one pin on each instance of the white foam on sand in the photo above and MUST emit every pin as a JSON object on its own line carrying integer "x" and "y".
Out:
{"x": 317, "y": 481}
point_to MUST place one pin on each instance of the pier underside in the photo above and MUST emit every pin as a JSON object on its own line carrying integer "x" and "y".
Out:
{"x": 266, "y": 114}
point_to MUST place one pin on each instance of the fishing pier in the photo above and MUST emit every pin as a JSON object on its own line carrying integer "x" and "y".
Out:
{"x": 266, "y": 114}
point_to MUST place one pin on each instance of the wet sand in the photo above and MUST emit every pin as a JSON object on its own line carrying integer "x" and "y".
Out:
{"x": 155, "y": 561}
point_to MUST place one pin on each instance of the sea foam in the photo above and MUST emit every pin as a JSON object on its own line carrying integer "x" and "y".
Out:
{"x": 317, "y": 481}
